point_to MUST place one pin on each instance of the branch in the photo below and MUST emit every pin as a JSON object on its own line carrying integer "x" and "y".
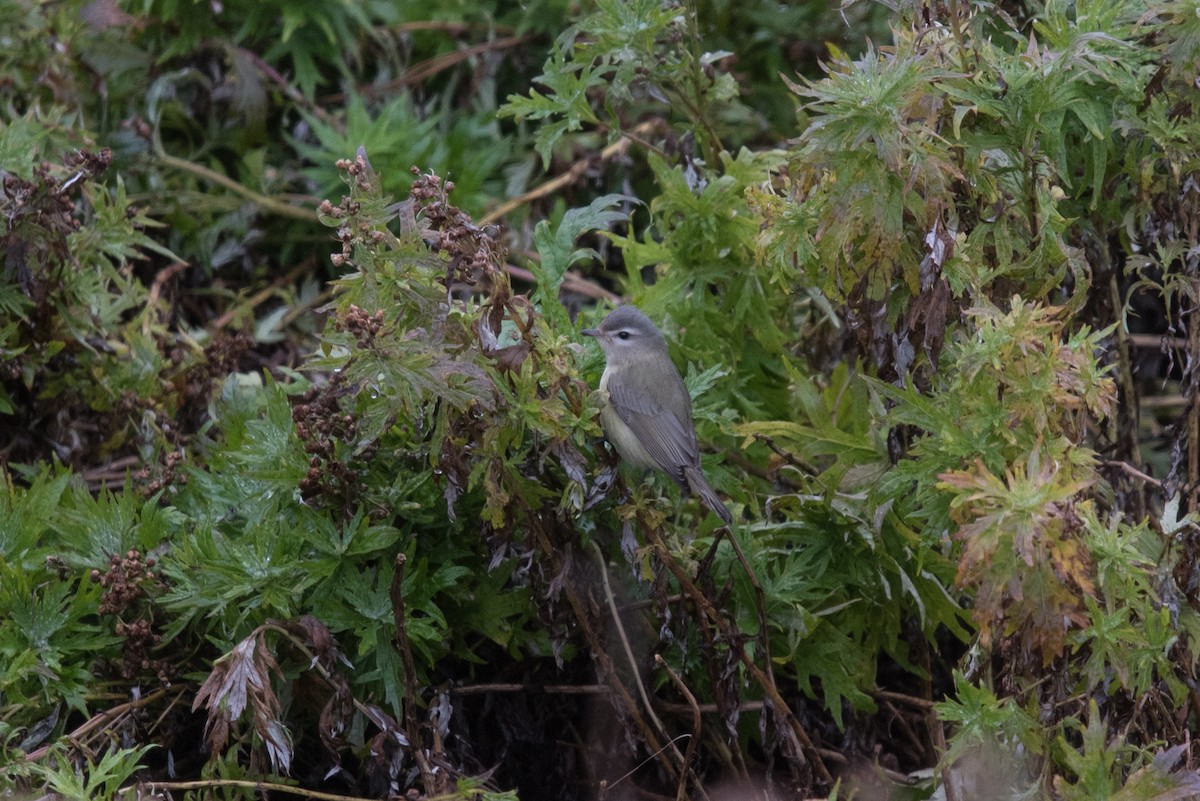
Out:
{"x": 573, "y": 174}
{"x": 580, "y": 609}
{"x": 633, "y": 666}
{"x": 102, "y": 719}
{"x": 680, "y": 794}
{"x": 268, "y": 203}
{"x": 705, "y": 607}
{"x": 261, "y": 295}
{"x": 410, "y": 677}
{"x": 430, "y": 67}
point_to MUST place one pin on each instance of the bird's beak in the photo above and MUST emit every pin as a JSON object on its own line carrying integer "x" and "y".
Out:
{"x": 591, "y": 332}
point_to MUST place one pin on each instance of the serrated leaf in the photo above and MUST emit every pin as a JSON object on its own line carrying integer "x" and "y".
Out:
{"x": 558, "y": 252}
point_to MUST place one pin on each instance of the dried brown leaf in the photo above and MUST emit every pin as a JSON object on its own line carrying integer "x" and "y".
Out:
{"x": 240, "y": 680}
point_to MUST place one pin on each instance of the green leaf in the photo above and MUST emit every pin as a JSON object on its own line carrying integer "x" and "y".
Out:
{"x": 558, "y": 252}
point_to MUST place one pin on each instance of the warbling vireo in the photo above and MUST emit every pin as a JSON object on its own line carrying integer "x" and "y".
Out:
{"x": 648, "y": 415}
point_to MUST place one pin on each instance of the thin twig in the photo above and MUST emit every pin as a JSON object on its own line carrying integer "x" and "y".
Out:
{"x": 302, "y": 307}
{"x": 707, "y": 709}
{"x": 909, "y": 735}
{"x": 1163, "y": 402}
{"x": 633, "y": 665}
{"x": 601, "y": 689}
{"x": 549, "y": 689}
{"x": 261, "y": 295}
{"x": 260, "y": 786}
{"x": 292, "y": 93}
{"x": 922, "y": 704}
{"x": 430, "y": 67}
{"x": 764, "y": 639}
{"x": 166, "y": 711}
{"x": 705, "y": 607}
{"x": 115, "y": 470}
{"x": 446, "y": 26}
{"x": 937, "y": 732}
{"x": 606, "y": 785}
{"x": 102, "y": 719}
{"x": 759, "y": 600}
{"x": 1125, "y": 424}
{"x": 775, "y": 476}
{"x": 573, "y": 173}
{"x": 268, "y": 203}
{"x": 681, "y": 792}
{"x": 410, "y": 676}
{"x": 1191, "y": 383}
{"x": 581, "y": 610}
{"x": 1133, "y": 471}
{"x": 1156, "y": 341}
{"x": 838, "y": 758}
{"x": 572, "y": 282}
{"x": 788, "y": 458}
{"x": 314, "y": 663}
{"x": 156, "y": 286}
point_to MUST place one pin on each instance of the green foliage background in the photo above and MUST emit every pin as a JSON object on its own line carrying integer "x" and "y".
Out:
{"x": 301, "y": 456}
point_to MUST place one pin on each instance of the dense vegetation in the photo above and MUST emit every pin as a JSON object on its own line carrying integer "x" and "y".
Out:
{"x": 304, "y": 486}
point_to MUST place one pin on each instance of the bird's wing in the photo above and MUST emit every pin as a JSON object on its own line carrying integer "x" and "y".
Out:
{"x": 645, "y": 408}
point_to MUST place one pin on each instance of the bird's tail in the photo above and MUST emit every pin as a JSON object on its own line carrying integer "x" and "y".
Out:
{"x": 698, "y": 484}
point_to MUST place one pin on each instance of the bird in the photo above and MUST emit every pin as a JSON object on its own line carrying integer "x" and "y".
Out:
{"x": 647, "y": 415}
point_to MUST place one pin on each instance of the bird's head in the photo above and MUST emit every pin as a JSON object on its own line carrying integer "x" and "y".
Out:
{"x": 626, "y": 335}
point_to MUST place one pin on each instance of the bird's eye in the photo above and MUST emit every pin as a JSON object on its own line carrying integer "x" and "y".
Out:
{"x": 622, "y": 335}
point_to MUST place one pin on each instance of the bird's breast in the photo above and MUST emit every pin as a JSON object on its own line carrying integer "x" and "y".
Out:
{"x": 621, "y": 435}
